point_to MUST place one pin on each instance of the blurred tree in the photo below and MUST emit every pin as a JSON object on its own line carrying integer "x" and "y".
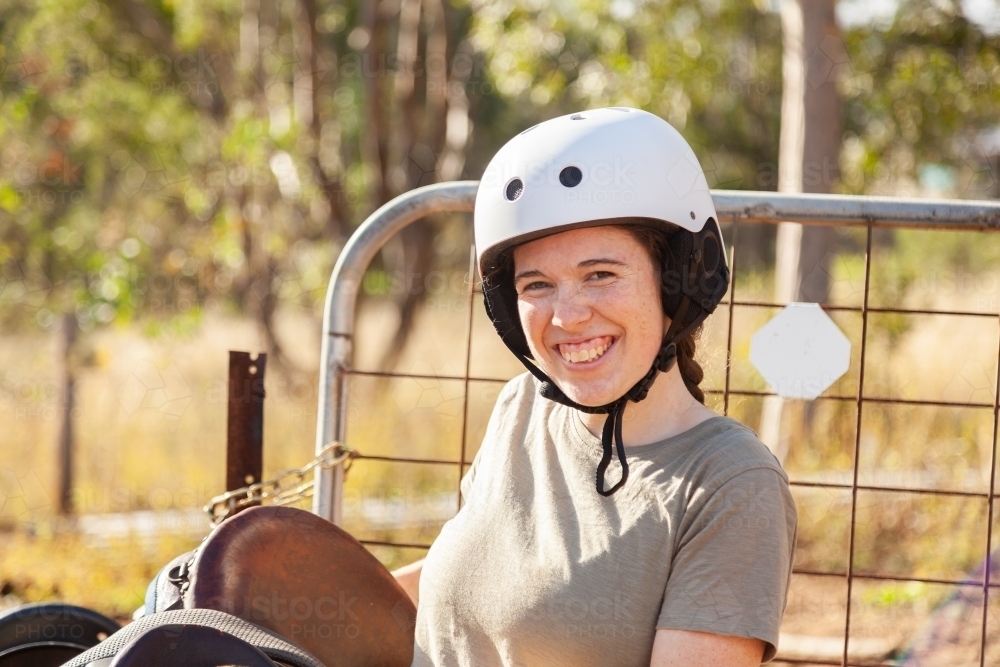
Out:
{"x": 920, "y": 93}
{"x": 163, "y": 159}
{"x": 159, "y": 160}
{"x": 709, "y": 68}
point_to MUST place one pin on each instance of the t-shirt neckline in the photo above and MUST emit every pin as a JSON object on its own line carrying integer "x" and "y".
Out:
{"x": 589, "y": 438}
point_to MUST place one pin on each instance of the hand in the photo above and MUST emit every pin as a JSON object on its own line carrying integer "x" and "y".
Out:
{"x": 408, "y": 577}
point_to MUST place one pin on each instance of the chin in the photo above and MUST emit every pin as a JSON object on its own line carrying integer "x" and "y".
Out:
{"x": 587, "y": 393}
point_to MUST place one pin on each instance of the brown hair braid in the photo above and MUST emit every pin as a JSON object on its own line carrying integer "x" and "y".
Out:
{"x": 658, "y": 247}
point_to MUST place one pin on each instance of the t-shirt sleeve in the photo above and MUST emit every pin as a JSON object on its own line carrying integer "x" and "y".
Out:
{"x": 503, "y": 405}
{"x": 465, "y": 486}
{"x": 731, "y": 571}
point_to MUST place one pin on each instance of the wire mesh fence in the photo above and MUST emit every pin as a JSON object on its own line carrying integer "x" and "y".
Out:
{"x": 893, "y": 468}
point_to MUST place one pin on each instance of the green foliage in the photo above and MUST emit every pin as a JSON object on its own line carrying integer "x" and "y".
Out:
{"x": 918, "y": 93}
{"x": 135, "y": 157}
{"x": 711, "y": 69}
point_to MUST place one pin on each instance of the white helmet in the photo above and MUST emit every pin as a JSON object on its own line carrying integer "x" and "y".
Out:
{"x": 582, "y": 167}
{"x": 601, "y": 167}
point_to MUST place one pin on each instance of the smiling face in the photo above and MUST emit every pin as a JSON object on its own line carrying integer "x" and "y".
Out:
{"x": 589, "y": 304}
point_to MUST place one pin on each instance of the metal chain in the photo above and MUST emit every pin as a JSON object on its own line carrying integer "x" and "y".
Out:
{"x": 287, "y": 487}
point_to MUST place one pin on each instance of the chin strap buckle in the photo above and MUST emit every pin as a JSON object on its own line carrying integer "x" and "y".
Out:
{"x": 666, "y": 357}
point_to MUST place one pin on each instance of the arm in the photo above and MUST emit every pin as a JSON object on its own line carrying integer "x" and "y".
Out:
{"x": 408, "y": 577}
{"x": 685, "y": 648}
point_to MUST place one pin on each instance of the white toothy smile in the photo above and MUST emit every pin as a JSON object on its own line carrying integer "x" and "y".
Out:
{"x": 585, "y": 351}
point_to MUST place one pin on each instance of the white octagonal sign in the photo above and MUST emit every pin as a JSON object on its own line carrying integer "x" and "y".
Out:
{"x": 800, "y": 352}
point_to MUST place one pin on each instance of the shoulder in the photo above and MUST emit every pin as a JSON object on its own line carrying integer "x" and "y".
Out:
{"x": 520, "y": 401}
{"x": 517, "y": 409}
{"x": 727, "y": 447}
{"x": 707, "y": 457}
{"x": 523, "y": 387}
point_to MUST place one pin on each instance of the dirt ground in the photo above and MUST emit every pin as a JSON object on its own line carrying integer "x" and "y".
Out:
{"x": 892, "y": 623}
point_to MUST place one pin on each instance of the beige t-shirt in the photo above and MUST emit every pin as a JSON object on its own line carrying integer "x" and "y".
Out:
{"x": 538, "y": 569}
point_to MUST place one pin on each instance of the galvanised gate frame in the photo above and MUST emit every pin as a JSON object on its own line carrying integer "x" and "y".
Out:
{"x": 737, "y": 207}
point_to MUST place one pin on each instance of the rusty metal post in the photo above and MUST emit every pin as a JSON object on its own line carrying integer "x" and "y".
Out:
{"x": 245, "y": 426}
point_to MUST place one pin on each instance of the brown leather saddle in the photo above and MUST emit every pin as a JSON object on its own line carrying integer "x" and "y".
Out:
{"x": 302, "y": 577}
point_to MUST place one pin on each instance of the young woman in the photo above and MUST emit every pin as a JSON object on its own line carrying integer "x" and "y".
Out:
{"x": 601, "y": 257}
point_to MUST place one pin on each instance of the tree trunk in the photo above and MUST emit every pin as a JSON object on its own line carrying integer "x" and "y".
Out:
{"x": 458, "y": 126}
{"x": 65, "y": 338}
{"x": 375, "y": 142}
{"x": 823, "y": 133}
{"x": 305, "y": 96}
{"x": 807, "y": 162}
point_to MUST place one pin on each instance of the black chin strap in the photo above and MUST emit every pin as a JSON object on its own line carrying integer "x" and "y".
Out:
{"x": 613, "y": 426}
{"x": 611, "y": 437}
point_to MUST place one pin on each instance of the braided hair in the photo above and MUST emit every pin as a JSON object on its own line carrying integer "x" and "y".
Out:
{"x": 665, "y": 262}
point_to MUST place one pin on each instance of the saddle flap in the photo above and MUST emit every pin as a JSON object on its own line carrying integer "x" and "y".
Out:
{"x": 299, "y": 575}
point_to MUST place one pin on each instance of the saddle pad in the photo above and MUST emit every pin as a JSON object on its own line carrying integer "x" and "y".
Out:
{"x": 299, "y": 575}
{"x": 270, "y": 644}
{"x": 189, "y": 646}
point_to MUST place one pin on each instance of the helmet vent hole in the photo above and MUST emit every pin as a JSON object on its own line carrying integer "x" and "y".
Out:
{"x": 578, "y": 116}
{"x": 570, "y": 177}
{"x": 514, "y": 189}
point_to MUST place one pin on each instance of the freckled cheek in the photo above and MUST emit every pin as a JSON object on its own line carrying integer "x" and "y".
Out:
{"x": 533, "y": 318}
{"x": 639, "y": 315}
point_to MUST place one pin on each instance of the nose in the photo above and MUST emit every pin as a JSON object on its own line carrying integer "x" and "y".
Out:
{"x": 570, "y": 309}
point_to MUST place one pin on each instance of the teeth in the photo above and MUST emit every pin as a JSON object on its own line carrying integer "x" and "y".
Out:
{"x": 578, "y": 356}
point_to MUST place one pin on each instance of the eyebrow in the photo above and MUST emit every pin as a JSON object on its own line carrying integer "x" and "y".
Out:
{"x": 534, "y": 273}
{"x": 600, "y": 260}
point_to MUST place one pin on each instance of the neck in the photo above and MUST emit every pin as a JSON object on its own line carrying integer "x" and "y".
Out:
{"x": 668, "y": 410}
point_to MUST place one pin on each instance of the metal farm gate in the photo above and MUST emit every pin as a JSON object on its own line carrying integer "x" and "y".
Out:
{"x": 967, "y": 616}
